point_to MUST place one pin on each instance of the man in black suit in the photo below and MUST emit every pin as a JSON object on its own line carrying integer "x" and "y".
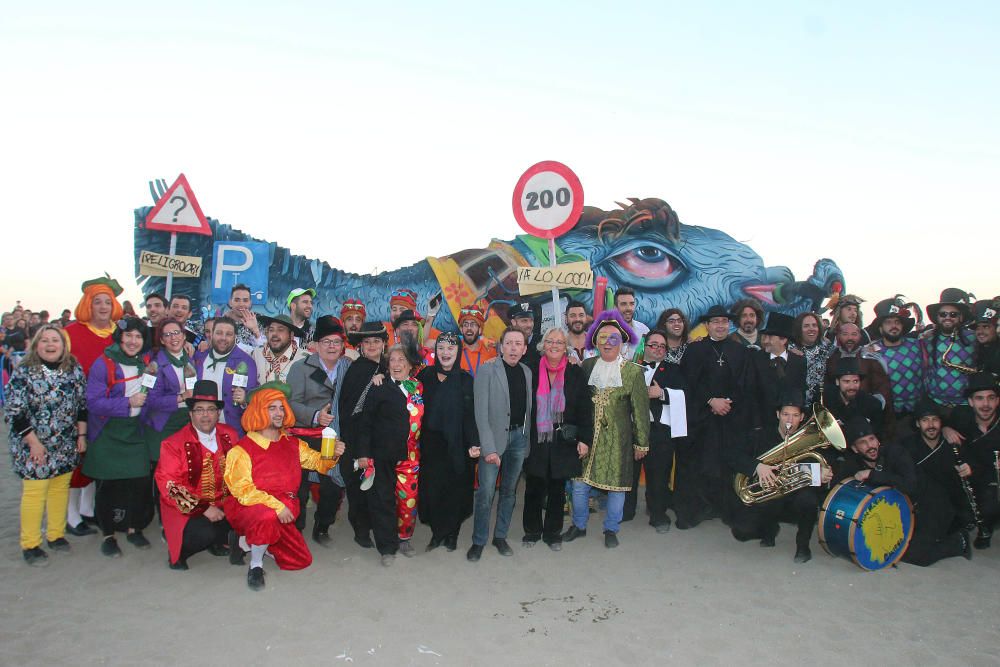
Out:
{"x": 779, "y": 371}
{"x": 846, "y": 400}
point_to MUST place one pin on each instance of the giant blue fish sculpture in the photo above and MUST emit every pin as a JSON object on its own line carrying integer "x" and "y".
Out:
{"x": 642, "y": 245}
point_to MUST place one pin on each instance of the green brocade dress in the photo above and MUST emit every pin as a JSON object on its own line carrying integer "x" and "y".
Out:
{"x": 621, "y": 425}
{"x": 119, "y": 452}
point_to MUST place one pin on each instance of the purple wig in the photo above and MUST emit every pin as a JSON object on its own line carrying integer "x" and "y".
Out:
{"x": 614, "y": 318}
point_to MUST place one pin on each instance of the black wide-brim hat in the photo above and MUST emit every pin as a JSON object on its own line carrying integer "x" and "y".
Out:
{"x": 283, "y": 320}
{"x": 779, "y": 324}
{"x": 204, "y": 390}
{"x": 891, "y": 308}
{"x": 368, "y": 330}
{"x": 407, "y": 316}
{"x": 951, "y": 296}
{"x": 983, "y": 381}
{"x": 715, "y": 311}
{"x": 848, "y": 366}
{"x": 985, "y": 311}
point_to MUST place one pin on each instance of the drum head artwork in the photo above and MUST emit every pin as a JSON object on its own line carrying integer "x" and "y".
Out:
{"x": 870, "y": 525}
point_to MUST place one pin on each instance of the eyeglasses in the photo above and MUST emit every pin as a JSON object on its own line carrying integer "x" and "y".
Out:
{"x": 673, "y": 319}
{"x": 556, "y": 343}
{"x": 952, "y": 314}
{"x": 331, "y": 342}
{"x": 172, "y": 334}
{"x": 656, "y": 346}
{"x": 209, "y": 410}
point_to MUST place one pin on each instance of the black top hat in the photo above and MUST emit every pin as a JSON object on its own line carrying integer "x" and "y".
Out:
{"x": 983, "y": 381}
{"x": 326, "y": 326}
{"x": 926, "y": 408}
{"x": 204, "y": 390}
{"x": 368, "y": 330}
{"x": 715, "y": 311}
{"x": 952, "y": 296}
{"x": 985, "y": 311}
{"x": 406, "y": 316}
{"x": 779, "y": 324}
{"x": 893, "y": 308}
{"x": 520, "y": 310}
{"x": 856, "y": 428}
{"x": 283, "y": 320}
{"x": 848, "y": 366}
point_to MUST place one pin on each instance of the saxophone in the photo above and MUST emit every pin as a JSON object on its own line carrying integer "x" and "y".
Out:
{"x": 968, "y": 370}
{"x": 800, "y": 447}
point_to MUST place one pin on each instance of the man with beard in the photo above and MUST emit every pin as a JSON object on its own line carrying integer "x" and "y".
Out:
{"x": 948, "y": 351}
{"x": 358, "y": 382}
{"x": 848, "y": 311}
{"x": 400, "y": 300}
{"x": 938, "y": 471}
{"x": 760, "y": 520}
{"x": 779, "y": 372}
{"x": 283, "y": 348}
{"x": 248, "y": 335}
{"x": 846, "y": 399}
{"x": 816, "y": 348}
{"x": 522, "y": 318}
{"x": 720, "y": 376}
{"x": 876, "y": 464}
{"x": 300, "y": 309}
{"x": 576, "y": 340}
{"x": 262, "y": 471}
{"x": 849, "y": 345}
{"x": 231, "y": 369}
{"x": 316, "y": 384}
{"x": 987, "y": 350}
{"x": 476, "y": 348}
{"x": 667, "y": 425}
{"x": 353, "y": 314}
{"x": 904, "y": 364}
{"x": 409, "y": 334}
{"x": 977, "y": 424}
{"x": 625, "y": 304}
{"x": 748, "y": 314}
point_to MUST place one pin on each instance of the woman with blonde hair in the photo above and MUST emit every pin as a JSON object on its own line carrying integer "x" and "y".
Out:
{"x": 46, "y": 411}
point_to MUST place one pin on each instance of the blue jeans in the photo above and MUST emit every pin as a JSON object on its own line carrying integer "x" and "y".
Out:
{"x": 613, "y": 515}
{"x": 511, "y": 462}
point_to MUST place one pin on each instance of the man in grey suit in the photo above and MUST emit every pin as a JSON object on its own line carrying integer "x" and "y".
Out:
{"x": 316, "y": 382}
{"x": 503, "y": 416}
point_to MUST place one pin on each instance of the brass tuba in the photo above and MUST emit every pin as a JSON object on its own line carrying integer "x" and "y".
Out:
{"x": 820, "y": 431}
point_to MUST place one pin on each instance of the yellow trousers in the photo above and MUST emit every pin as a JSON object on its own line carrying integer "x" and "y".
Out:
{"x": 43, "y": 496}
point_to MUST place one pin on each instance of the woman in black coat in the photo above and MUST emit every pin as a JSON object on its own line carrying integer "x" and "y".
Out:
{"x": 562, "y": 403}
{"x": 449, "y": 441}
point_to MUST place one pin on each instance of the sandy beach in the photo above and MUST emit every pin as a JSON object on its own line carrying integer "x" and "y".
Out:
{"x": 697, "y": 596}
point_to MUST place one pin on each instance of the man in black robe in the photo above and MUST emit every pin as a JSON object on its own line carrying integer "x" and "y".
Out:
{"x": 720, "y": 378}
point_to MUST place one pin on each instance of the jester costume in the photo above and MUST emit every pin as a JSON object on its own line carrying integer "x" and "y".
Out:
{"x": 409, "y": 467}
{"x": 944, "y": 384}
{"x": 904, "y": 365}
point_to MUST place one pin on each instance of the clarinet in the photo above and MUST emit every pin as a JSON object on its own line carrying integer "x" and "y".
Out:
{"x": 996, "y": 471}
{"x": 983, "y": 529}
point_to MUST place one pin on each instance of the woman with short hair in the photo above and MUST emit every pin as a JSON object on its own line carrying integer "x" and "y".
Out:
{"x": 46, "y": 411}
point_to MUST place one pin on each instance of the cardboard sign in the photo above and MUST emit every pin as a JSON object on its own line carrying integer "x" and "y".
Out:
{"x": 537, "y": 279}
{"x": 156, "y": 264}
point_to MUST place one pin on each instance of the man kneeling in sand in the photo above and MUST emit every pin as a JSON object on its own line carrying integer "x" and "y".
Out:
{"x": 263, "y": 472}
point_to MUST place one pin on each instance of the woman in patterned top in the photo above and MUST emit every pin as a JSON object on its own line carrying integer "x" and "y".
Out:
{"x": 46, "y": 411}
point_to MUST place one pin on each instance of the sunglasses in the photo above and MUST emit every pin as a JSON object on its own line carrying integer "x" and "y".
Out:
{"x": 952, "y": 314}
{"x": 403, "y": 293}
{"x": 354, "y": 306}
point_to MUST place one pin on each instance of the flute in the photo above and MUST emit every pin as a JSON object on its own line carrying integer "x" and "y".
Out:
{"x": 983, "y": 529}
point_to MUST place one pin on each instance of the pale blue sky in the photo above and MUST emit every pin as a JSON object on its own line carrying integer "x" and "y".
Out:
{"x": 864, "y": 132}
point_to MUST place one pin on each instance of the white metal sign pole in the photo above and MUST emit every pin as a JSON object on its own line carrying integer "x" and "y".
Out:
{"x": 555, "y": 290}
{"x": 170, "y": 274}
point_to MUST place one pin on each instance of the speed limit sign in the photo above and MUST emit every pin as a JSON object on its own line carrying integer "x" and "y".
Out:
{"x": 548, "y": 200}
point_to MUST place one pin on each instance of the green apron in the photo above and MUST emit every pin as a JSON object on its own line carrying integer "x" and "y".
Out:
{"x": 175, "y": 422}
{"x": 119, "y": 452}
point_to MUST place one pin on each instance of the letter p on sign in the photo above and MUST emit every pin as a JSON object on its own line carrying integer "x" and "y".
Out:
{"x": 235, "y": 262}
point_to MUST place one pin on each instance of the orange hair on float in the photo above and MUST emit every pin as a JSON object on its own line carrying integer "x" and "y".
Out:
{"x": 256, "y": 418}
{"x": 84, "y": 312}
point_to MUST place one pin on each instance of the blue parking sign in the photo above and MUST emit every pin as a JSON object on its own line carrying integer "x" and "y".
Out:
{"x": 235, "y": 262}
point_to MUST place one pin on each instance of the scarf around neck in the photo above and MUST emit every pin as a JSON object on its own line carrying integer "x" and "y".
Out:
{"x": 550, "y": 398}
{"x": 177, "y": 362}
{"x": 213, "y": 361}
{"x": 114, "y": 353}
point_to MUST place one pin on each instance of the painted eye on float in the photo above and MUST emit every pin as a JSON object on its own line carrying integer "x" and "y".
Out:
{"x": 648, "y": 262}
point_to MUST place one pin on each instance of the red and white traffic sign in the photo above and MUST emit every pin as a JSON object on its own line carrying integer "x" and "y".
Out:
{"x": 178, "y": 211}
{"x": 548, "y": 200}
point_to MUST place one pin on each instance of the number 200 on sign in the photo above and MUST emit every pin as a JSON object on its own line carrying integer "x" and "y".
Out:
{"x": 545, "y": 199}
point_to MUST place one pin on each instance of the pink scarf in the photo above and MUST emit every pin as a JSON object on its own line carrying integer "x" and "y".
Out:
{"x": 550, "y": 401}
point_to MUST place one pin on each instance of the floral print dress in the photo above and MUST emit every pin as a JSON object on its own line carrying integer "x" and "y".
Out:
{"x": 50, "y": 402}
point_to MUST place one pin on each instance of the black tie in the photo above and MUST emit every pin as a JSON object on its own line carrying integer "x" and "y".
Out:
{"x": 778, "y": 363}
{"x": 398, "y": 382}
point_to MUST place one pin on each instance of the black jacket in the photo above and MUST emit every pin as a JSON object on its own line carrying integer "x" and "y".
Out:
{"x": 894, "y": 468}
{"x": 560, "y": 454}
{"x": 771, "y": 386}
{"x": 385, "y": 424}
{"x": 355, "y": 381}
{"x": 864, "y": 404}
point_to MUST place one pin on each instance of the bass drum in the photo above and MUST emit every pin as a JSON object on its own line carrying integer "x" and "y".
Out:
{"x": 870, "y": 525}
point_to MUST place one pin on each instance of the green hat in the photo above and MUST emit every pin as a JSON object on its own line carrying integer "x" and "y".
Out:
{"x": 105, "y": 280}
{"x": 296, "y": 293}
{"x": 273, "y": 384}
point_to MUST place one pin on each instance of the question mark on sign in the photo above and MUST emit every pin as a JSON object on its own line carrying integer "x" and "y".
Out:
{"x": 180, "y": 208}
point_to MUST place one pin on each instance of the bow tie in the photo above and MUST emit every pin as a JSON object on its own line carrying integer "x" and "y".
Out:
{"x": 398, "y": 382}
